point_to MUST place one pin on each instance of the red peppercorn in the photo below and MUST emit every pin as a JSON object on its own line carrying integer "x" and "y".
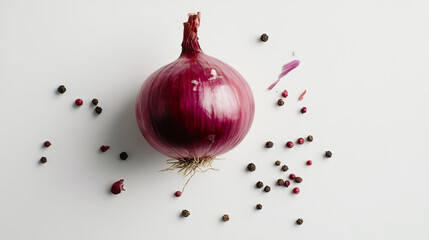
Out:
{"x": 300, "y": 141}
{"x": 303, "y": 110}
{"x": 47, "y": 144}
{"x": 287, "y": 183}
{"x": 309, "y": 162}
{"x": 285, "y": 94}
{"x": 289, "y": 144}
{"x": 178, "y": 193}
{"x": 78, "y": 102}
{"x": 292, "y": 176}
{"x": 295, "y": 190}
{"x": 104, "y": 148}
{"x": 117, "y": 187}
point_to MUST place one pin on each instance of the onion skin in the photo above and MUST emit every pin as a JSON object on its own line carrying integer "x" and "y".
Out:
{"x": 196, "y": 106}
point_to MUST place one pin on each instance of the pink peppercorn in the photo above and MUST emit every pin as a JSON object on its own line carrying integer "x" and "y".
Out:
{"x": 300, "y": 141}
{"x": 289, "y": 144}
{"x": 287, "y": 183}
{"x": 178, "y": 193}
{"x": 104, "y": 148}
{"x": 309, "y": 162}
{"x": 295, "y": 190}
{"x": 292, "y": 176}
{"x": 303, "y": 110}
{"x": 78, "y": 102}
{"x": 47, "y": 144}
{"x": 117, "y": 187}
{"x": 285, "y": 94}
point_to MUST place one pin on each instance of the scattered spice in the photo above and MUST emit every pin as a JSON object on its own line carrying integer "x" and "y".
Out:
{"x": 185, "y": 213}
{"x": 259, "y": 206}
{"x": 277, "y": 163}
{"x": 302, "y": 95}
{"x": 61, "y": 89}
{"x": 47, "y": 144}
{"x": 94, "y": 101}
{"x": 299, "y": 221}
{"x": 104, "y": 148}
{"x": 285, "y": 70}
{"x": 295, "y": 190}
{"x": 289, "y": 144}
{"x": 309, "y": 163}
{"x": 98, "y": 109}
{"x": 300, "y": 141}
{"x": 303, "y": 110}
{"x": 178, "y": 193}
{"x": 280, "y": 182}
{"x": 280, "y": 102}
{"x": 225, "y": 218}
{"x": 43, "y": 160}
{"x": 117, "y": 187}
{"x": 298, "y": 179}
{"x": 264, "y": 37}
{"x": 251, "y": 167}
{"x": 269, "y": 144}
{"x": 310, "y": 138}
{"x": 292, "y": 176}
{"x": 123, "y": 156}
{"x": 287, "y": 183}
{"x": 328, "y": 154}
{"x": 78, "y": 102}
{"x": 267, "y": 189}
{"x": 285, "y": 168}
{"x": 285, "y": 94}
{"x": 259, "y": 184}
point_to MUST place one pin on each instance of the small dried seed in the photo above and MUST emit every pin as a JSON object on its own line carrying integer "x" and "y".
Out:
{"x": 251, "y": 167}
{"x": 259, "y": 206}
{"x": 298, "y": 179}
{"x": 328, "y": 154}
{"x": 259, "y": 184}
{"x": 225, "y": 218}
{"x": 299, "y": 221}
{"x": 269, "y": 144}
{"x": 185, "y": 213}
{"x": 95, "y": 101}
{"x": 264, "y": 37}
{"x": 267, "y": 189}
{"x": 123, "y": 156}
{"x": 280, "y": 182}
{"x": 61, "y": 89}
{"x": 285, "y": 168}
{"x": 310, "y": 138}
{"x": 277, "y": 163}
{"x": 98, "y": 109}
{"x": 43, "y": 160}
{"x": 280, "y": 102}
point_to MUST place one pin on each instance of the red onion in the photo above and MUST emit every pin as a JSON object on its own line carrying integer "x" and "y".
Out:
{"x": 194, "y": 108}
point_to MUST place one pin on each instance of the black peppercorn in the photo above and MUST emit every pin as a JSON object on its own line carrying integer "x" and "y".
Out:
{"x": 185, "y": 213}
{"x": 95, "y": 101}
{"x": 251, "y": 167}
{"x": 280, "y": 102}
{"x": 267, "y": 189}
{"x": 123, "y": 156}
{"x": 259, "y": 184}
{"x": 299, "y": 221}
{"x": 225, "y": 218}
{"x": 43, "y": 160}
{"x": 298, "y": 179}
{"x": 277, "y": 163}
{"x": 98, "y": 109}
{"x": 264, "y": 37}
{"x": 310, "y": 138}
{"x": 328, "y": 154}
{"x": 280, "y": 182}
{"x": 259, "y": 206}
{"x": 61, "y": 89}
{"x": 269, "y": 144}
{"x": 285, "y": 168}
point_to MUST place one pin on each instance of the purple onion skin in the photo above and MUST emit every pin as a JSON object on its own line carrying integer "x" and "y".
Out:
{"x": 196, "y": 106}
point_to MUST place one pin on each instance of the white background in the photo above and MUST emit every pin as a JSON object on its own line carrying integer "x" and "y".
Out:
{"x": 365, "y": 67}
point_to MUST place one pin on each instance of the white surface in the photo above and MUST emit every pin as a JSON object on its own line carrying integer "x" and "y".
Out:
{"x": 364, "y": 64}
